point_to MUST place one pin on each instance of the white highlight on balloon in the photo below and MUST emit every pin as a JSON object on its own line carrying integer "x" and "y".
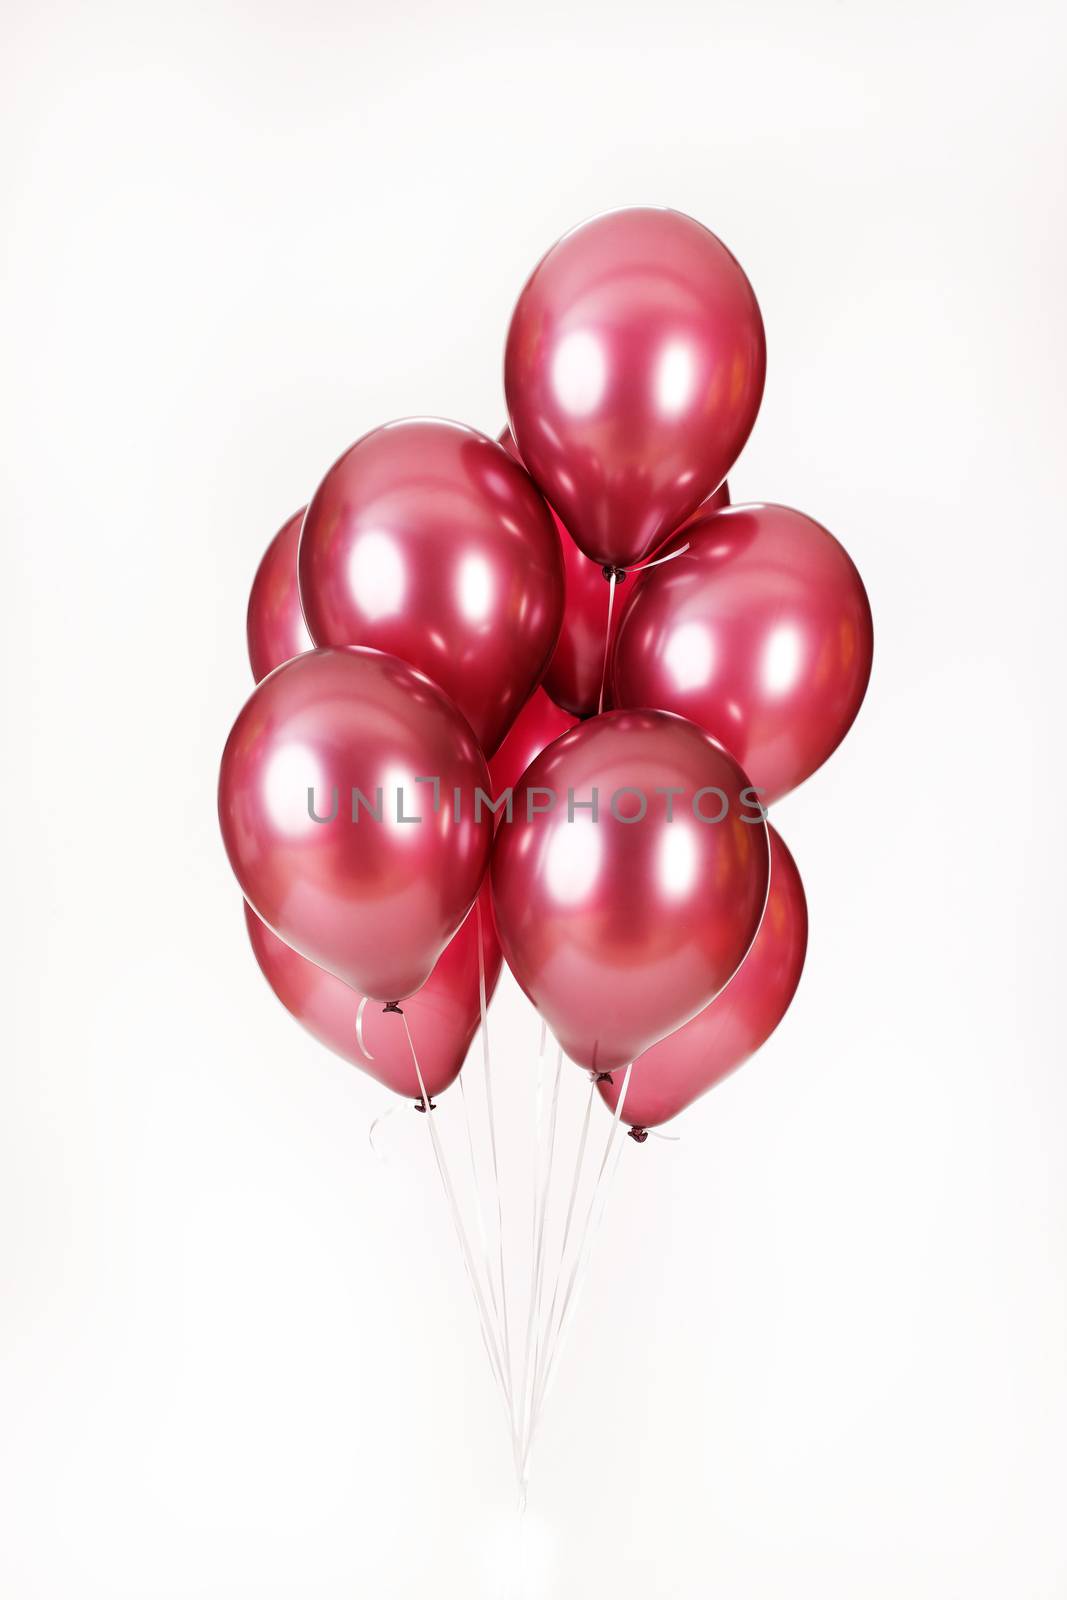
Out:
{"x": 690, "y": 656}
{"x": 678, "y": 865}
{"x": 579, "y": 374}
{"x": 290, "y": 773}
{"x": 475, "y": 588}
{"x": 675, "y": 379}
{"x": 572, "y": 865}
{"x": 782, "y": 657}
{"x": 376, "y": 575}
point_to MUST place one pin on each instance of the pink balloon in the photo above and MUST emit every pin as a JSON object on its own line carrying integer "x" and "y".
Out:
{"x": 276, "y": 628}
{"x": 573, "y": 675}
{"x": 538, "y": 723}
{"x": 374, "y": 885}
{"x": 443, "y": 1015}
{"x": 761, "y": 632}
{"x": 622, "y": 927}
{"x": 633, "y": 372}
{"x": 738, "y": 1021}
{"x": 426, "y": 540}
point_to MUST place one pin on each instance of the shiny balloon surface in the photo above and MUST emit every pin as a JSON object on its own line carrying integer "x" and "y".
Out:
{"x": 761, "y": 632}
{"x": 633, "y": 373}
{"x": 336, "y": 843}
{"x": 428, "y": 541}
{"x": 443, "y": 1015}
{"x": 621, "y": 925}
{"x": 719, "y": 1039}
{"x": 573, "y": 676}
{"x": 275, "y": 624}
{"x": 538, "y": 723}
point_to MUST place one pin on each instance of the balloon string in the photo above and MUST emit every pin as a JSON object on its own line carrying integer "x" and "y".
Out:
{"x": 487, "y": 1069}
{"x": 579, "y": 1270}
{"x": 372, "y": 1132}
{"x": 542, "y": 1181}
{"x": 607, "y": 641}
{"x": 488, "y": 1336}
{"x": 644, "y": 565}
{"x": 612, "y": 575}
{"x": 585, "y": 1248}
{"x": 544, "y": 1205}
{"x": 538, "y": 1325}
{"x": 568, "y": 1220}
{"x": 483, "y": 1237}
{"x": 536, "y": 1159}
{"x": 578, "y": 1161}
{"x": 359, "y": 1029}
{"x": 536, "y": 1143}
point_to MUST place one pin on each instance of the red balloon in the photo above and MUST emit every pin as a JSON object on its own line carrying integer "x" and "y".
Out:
{"x": 761, "y": 632}
{"x": 573, "y": 675}
{"x": 621, "y": 927}
{"x": 738, "y": 1021}
{"x": 538, "y": 723}
{"x": 426, "y": 540}
{"x": 633, "y": 372}
{"x": 276, "y": 628}
{"x": 443, "y": 1015}
{"x": 374, "y": 885}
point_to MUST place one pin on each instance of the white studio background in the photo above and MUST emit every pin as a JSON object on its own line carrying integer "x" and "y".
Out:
{"x": 823, "y": 1347}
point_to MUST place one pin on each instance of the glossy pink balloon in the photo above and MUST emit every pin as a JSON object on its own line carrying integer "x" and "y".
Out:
{"x": 375, "y": 891}
{"x": 429, "y": 541}
{"x": 573, "y": 675}
{"x": 276, "y": 628}
{"x": 538, "y": 723}
{"x": 738, "y": 1021}
{"x": 619, "y": 929}
{"x": 633, "y": 372}
{"x": 761, "y": 632}
{"x": 443, "y": 1015}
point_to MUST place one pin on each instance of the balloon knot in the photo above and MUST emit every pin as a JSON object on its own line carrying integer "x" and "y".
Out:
{"x": 392, "y": 1005}
{"x": 638, "y": 1135}
{"x": 419, "y": 1106}
{"x": 603, "y": 1077}
{"x": 618, "y": 573}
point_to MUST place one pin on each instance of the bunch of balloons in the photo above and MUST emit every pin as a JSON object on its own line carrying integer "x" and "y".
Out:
{"x": 532, "y": 696}
{"x": 438, "y": 628}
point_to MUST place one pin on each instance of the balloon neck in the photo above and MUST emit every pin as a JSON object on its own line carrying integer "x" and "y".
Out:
{"x": 603, "y": 1077}
{"x": 392, "y": 1005}
{"x": 618, "y": 573}
{"x": 638, "y": 1135}
{"x": 421, "y": 1105}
